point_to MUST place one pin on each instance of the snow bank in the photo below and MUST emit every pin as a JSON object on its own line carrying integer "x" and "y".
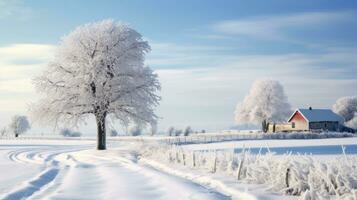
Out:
{"x": 305, "y": 176}
{"x": 202, "y": 180}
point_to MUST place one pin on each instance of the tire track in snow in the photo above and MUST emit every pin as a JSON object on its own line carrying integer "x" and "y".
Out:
{"x": 154, "y": 184}
{"x": 43, "y": 156}
{"x": 99, "y": 175}
{"x": 33, "y": 186}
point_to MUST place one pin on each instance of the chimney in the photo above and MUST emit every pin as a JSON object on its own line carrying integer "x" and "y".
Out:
{"x": 310, "y": 108}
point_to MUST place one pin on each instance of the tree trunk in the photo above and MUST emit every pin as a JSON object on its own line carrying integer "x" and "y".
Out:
{"x": 101, "y": 143}
{"x": 264, "y": 125}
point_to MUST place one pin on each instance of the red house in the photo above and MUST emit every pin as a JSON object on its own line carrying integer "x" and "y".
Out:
{"x": 315, "y": 119}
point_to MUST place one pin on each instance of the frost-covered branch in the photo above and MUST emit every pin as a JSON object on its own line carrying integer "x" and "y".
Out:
{"x": 347, "y": 108}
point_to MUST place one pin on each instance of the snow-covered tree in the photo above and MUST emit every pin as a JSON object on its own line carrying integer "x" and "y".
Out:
{"x": 65, "y": 132}
{"x": 171, "y": 131}
{"x": 135, "y": 130}
{"x": 113, "y": 133}
{"x": 153, "y": 128}
{"x": 352, "y": 123}
{"x": 19, "y": 125}
{"x": 265, "y": 101}
{"x": 188, "y": 131}
{"x": 3, "y": 131}
{"x": 346, "y": 107}
{"x": 76, "y": 134}
{"x": 69, "y": 133}
{"x": 178, "y": 132}
{"x": 98, "y": 70}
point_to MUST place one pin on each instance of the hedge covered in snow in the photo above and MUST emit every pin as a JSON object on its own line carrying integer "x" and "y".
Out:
{"x": 301, "y": 175}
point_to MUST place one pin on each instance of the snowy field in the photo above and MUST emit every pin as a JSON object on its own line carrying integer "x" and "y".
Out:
{"x": 47, "y": 169}
{"x": 72, "y": 169}
{"x": 331, "y": 146}
{"x": 268, "y": 169}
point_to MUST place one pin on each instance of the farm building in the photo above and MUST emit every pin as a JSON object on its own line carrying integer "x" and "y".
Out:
{"x": 310, "y": 119}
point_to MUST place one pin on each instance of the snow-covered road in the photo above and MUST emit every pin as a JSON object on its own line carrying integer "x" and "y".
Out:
{"x": 73, "y": 170}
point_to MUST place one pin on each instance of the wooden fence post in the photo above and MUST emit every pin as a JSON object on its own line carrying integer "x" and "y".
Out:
{"x": 193, "y": 159}
{"x": 215, "y": 163}
{"x": 287, "y": 177}
{"x": 177, "y": 157}
{"x": 183, "y": 157}
{"x": 240, "y": 165}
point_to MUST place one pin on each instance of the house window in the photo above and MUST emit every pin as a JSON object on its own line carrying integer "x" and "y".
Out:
{"x": 293, "y": 125}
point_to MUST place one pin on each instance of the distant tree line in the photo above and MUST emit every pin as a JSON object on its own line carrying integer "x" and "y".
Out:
{"x": 70, "y": 133}
{"x": 172, "y": 131}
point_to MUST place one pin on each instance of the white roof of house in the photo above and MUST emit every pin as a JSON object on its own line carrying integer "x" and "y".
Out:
{"x": 319, "y": 115}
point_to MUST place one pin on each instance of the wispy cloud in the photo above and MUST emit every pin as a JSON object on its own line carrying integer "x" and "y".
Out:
{"x": 22, "y": 60}
{"x": 209, "y": 91}
{"x": 14, "y": 9}
{"x": 202, "y": 84}
{"x": 18, "y": 65}
{"x": 277, "y": 26}
{"x": 168, "y": 55}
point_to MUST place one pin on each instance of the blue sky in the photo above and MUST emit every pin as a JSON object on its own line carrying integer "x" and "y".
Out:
{"x": 207, "y": 53}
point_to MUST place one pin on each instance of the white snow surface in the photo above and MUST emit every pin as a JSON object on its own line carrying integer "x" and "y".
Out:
{"x": 273, "y": 143}
{"x": 303, "y": 176}
{"x": 49, "y": 169}
{"x": 73, "y": 169}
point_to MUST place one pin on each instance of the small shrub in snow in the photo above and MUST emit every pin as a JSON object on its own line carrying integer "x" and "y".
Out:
{"x": 135, "y": 131}
{"x": 188, "y": 131}
{"x": 76, "y": 134}
{"x": 65, "y": 132}
{"x": 171, "y": 131}
{"x": 69, "y": 133}
{"x": 113, "y": 133}
{"x": 178, "y": 132}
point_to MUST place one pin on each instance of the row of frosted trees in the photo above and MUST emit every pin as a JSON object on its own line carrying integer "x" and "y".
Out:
{"x": 172, "y": 131}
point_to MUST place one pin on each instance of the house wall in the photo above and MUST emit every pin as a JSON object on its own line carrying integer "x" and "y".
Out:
{"x": 331, "y": 126}
{"x": 279, "y": 128}
{"x": 300, "y": 122}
